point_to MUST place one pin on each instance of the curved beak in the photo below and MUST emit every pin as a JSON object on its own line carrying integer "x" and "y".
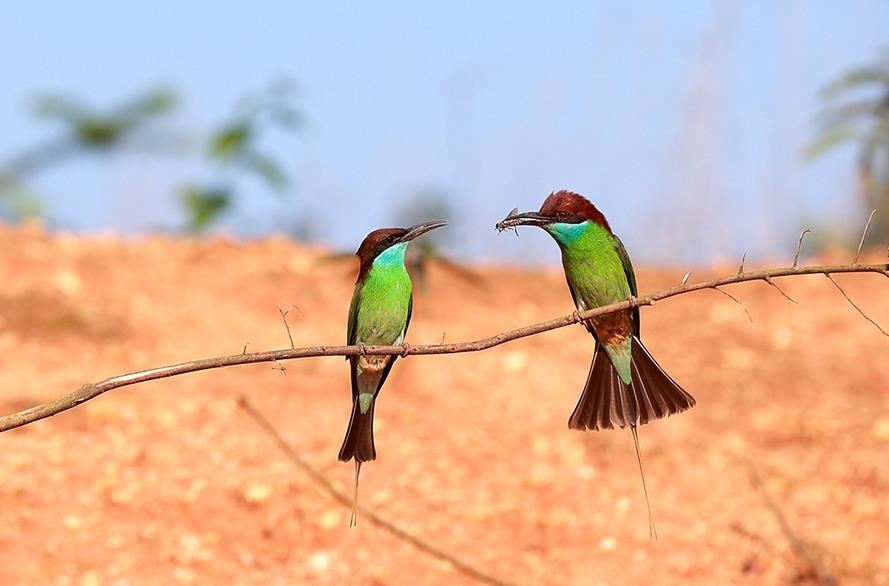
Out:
{"x": 421, "y": 229}
{"x": 515, "y": 219}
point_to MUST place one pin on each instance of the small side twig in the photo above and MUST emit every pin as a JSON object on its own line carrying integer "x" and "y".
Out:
{"x": 864, "y": 235}
{"x": 853, "y": 304}
{"x": 736, "y": 300}
{"x": 460, "y": 565}
{"x": 780, "y": 290}
{"x": 799, "y": 245}
{"x": 741, "y": 266}
{"x": 685, "y": 278}
{"x": 286, "y": 325}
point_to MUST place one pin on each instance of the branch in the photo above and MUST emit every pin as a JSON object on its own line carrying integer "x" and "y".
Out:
{"x": 799, "y": 547}
{"x": 346, "y": 500}
{"x": 92, "y": 390}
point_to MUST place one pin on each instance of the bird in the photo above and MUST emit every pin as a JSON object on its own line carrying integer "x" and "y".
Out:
{"x": 379, "y": 314}
{"x": 625, "y": 387}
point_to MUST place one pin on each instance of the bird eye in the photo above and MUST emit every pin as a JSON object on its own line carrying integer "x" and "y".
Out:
{"x": 562, "y": 215}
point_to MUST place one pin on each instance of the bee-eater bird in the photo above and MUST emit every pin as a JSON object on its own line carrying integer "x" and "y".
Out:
{"x": 379, "y": 315}
{"x": 625, "y": 386}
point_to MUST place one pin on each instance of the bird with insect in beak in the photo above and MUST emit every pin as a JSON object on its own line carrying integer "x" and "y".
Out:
{"x": 379, "y": 315}
{"x": 625, "y": 386}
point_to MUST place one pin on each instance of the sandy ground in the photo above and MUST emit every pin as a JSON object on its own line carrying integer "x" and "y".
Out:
{"x": 170, "y": 482}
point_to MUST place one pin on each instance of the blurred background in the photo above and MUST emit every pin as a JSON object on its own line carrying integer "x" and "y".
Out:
{"x": 173, "y": 172}
{"x": 729, "y": 123}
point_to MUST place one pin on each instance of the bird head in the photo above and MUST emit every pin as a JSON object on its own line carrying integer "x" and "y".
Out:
{"x": 390, "y": 241}
{"x": 560, "y": 207}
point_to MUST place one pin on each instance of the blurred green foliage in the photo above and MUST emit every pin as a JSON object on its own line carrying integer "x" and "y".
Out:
{"x": 234, "y": 152}
{"x": 856, "y": 110}
{"x": 230, "y": 152}
{"x": 130, "y": 125}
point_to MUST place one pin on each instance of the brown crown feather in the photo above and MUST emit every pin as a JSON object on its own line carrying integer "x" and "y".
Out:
{"x": 574, "y": 205}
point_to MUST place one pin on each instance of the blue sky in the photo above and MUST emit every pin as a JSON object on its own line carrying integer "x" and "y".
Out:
{"x": 683, "y": 121}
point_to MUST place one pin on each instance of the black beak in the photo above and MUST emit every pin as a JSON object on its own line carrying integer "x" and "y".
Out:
{"x": 421, "y": 229}
{"x": 515, "y": 219}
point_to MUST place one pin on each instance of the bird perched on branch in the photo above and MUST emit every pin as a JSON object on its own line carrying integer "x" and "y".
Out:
{"x": 625, "y": 386}
{"x": 379, "y": 315}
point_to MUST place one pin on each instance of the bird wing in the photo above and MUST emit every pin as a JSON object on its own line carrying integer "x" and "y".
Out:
{"x": 351, "y": 330}
{"x": 631, "y": 278}
{"x": 579, "y": 304}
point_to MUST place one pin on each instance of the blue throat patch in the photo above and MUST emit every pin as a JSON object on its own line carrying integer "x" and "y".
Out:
{"x": 392, "y": 256}
{"x": 565, "y": 234}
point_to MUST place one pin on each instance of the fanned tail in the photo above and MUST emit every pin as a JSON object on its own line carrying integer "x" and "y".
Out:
{"x": 608, "y": 403}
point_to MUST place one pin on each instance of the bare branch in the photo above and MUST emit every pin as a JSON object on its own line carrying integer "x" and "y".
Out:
{"x": 461, "y": 566}
{"x": 799, "y": 245}
{"x": 768, "y": 279}
{"x": 852, "y": 303}
{"x": 864, "y": 235}
{"x": 92, "y": 390}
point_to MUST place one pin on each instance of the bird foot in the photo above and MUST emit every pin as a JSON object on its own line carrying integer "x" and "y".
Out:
{"x": 362, "y": 348}
{"x": 633, "y": 301}
{"x": 405, "y": 349}
{"x": 577, "y": 317}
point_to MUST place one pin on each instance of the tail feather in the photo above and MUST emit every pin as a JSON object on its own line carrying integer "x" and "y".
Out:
{"x": 358, "y": 444}
{"x": 607, "y": 402}
{"x": 359, "y": 440}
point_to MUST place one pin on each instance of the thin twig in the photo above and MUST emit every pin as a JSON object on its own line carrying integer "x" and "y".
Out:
{"x": 864, "y": 235}
{"x": 736, "y": 300}
{"x": 858, "y": 309}
{"x": 284, "y": 318}
{"x": 799, "y": 245}
{"x": 741, "y": 266}
{"x": 92, "y": 390}
{"x": 799, "y": 547}
{"x": 461, "y": 566}
{"x": 769, "y": 280}
{"x": 685, "y": 278}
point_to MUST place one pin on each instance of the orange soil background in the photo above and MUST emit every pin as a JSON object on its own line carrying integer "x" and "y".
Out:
{"x": 170, "y": 482}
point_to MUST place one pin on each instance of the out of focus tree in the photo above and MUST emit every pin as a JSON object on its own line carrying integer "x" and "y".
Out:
{"x": 857, "y": 111}
{"x": 423, "y": 206}
{"x": 232, "y": 151}
{"x": 86, "y": 130}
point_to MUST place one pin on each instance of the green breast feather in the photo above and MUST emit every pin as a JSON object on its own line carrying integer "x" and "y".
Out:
{"x": 383, "y": 300}
{"x": 593, "y": 259}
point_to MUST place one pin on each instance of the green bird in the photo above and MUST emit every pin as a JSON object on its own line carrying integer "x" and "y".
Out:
{"x": 625, "y": 386}
{"x": 380, "y": 314}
